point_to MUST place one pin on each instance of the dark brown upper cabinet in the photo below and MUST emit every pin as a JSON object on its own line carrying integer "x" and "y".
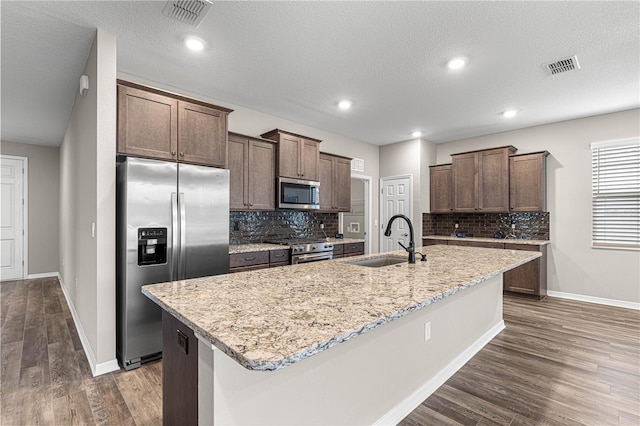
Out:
{"x": 481, "y": 180}
{"x": 335, "y": 183}
{"x": 528, "y": 182}
{"x": 252, "y": 165}
{"x": 165, "y": 126}
{"x": 298, "y": 156}
{"x": 441, "y": 192}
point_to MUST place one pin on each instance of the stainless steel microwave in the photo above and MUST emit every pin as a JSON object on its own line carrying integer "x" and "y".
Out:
{"x": 298, "y": 194}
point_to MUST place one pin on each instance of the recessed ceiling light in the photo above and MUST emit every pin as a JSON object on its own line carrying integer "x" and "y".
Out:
{"x": 457, "y": 63}
{"x": 194, "y": 43}
{"x": 345, "y": 104}
{"x": 509, "y": 113}
{"x": 416, "y": 134}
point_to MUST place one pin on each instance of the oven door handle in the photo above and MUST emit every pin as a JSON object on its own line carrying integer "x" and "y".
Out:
{"x": 312, "y": 256}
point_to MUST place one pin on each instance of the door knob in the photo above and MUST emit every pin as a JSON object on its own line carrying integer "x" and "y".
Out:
{"x": 405, "y": 235}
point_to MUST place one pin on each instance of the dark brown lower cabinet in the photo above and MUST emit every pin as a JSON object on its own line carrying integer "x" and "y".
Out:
{"x": 352, "y": 249}
{"x": 530, "y": 278}
{"x": 179, "y": 373}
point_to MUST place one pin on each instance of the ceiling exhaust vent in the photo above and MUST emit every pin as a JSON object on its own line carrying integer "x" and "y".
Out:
{"x": 188, "y": 11}
{"x": 562, "y": 65}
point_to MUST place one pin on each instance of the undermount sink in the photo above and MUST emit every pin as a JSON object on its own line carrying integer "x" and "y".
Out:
{"x": 378, "y": 262}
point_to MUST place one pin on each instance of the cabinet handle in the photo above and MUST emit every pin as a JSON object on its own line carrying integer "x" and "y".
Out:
{"x": 278, "y": 255}
{"x": 173, "y": 153}
{"x": 249, "y": 259}
{"x": 182, "y": 154}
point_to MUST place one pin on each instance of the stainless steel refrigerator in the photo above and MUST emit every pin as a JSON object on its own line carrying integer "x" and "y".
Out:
{"x": 172, "y": 223}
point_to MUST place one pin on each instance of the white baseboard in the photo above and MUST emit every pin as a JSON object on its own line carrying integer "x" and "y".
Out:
{"x": 592, "y": 299}
{"x": 403, "y": 409}
{"x": 43, "y": 275}
{"x": 96, "y": 369}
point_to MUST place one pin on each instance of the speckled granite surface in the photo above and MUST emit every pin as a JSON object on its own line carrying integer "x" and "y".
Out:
{"x": 489, "y": 240}
{"x": 246, "y": 248}
{"x": 345, "y": 240}
{"x": 271, "y": 318}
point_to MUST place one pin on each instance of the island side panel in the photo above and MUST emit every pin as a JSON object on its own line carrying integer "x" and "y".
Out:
{"x": 379, "y": 376}
{"x": 179, "y": 373}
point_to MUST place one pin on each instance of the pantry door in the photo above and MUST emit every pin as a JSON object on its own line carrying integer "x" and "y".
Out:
{"x": 13, "y": 218}
{"x": 395, "y": 199}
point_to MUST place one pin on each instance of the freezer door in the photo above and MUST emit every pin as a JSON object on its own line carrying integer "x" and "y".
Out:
{"x": 144, "y": 195}
{"x": 204, "y": 217}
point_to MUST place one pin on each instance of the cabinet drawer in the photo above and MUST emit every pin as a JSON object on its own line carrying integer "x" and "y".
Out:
{"x": 279, "y": 256}
{"x": 476, "y": 244}
{"x": 353, "y": 248}
{"x": 430, "y": 242}
{"x": 248, "y": 259}
{"x": 526, "y": 247}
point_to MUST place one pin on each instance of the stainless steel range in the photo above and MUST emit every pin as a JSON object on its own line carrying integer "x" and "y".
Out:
{"x": 307, "y": 250}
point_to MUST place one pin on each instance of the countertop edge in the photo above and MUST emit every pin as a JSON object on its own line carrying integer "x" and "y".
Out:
{"x": 302, "y": 354}
{"x": 488, "y": 240}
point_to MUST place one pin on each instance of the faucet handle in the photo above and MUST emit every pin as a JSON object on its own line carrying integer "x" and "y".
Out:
{"x": 403, "y": 246}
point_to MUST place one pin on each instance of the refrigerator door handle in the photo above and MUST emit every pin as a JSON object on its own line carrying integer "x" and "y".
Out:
{"x": 183, "y": 234}
{"x": 175, "y": 233}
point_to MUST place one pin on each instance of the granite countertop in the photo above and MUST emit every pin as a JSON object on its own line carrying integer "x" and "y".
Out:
{"x": 246, "y": 248}
{"x": 345, "y": 240}
{"x": 489, "y": 240}
{"x": 270, "y": 318}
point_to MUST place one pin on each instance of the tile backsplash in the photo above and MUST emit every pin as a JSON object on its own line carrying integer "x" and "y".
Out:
{"x": 259, "y": 226}
{"x": 529, "y": 226}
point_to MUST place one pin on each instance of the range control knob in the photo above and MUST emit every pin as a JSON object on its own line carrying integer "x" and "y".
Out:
{"x": 314, "y": 248}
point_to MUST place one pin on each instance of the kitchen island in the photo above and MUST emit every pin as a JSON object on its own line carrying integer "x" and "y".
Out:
{"x": 334, "y": 342}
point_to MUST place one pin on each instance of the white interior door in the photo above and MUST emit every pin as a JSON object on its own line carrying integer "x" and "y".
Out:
{"x": 12, "y": 222}
{"x": 395, "y": 199}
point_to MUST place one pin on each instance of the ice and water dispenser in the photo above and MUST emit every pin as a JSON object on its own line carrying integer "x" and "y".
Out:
{"x": 152, "y": 246}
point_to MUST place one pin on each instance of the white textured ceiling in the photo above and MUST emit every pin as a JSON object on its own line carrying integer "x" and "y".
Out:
{"x": 297, "y": 59}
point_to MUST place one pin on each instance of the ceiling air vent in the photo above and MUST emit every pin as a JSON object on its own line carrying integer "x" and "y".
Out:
{"x": 187, "y": 11}
{"x": 562, "y": 65}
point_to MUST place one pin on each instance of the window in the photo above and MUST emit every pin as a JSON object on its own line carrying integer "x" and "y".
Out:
{"x": 615, "y": 172}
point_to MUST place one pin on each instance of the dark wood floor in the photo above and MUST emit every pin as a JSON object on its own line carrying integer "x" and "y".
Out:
{"x": 558, "y": 363}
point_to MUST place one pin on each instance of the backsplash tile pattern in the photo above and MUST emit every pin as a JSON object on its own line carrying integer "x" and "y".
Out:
{"x": 259, "y": 226}
{"x": 529, "y": 226}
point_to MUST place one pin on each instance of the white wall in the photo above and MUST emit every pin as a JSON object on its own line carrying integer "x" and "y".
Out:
{"x": 254, "y": 123}
{"x": 43, "y": 198}
{"x": 411, "y": 157}
{"x": 87, "y": 197}
{"x": 574, "y": 267}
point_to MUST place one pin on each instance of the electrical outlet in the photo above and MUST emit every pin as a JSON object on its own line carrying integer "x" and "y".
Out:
{"x": 76, "y": 282}
{"x": 321, "y": 225}
{"x": 427, "y": 331}
{"x": 236, "y": 225}
{"x": 457, "y": 225}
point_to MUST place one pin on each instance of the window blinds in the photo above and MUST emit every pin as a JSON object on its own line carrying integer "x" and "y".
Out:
{"x": 615, "y": 172}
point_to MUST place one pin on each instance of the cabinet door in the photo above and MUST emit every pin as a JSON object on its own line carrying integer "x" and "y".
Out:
{"x": 202, "y": 137}
{"x": 326, "y": 182}
{"x": 289, "y": 156}
{"x": 262, "y": 180}
{"x": 342, "y": 184}
{"x": 527, "y": 183}
{"x": 238, "y": 172}
{"x": 441, "y": 189}
{"x": 465, "y": 182}
{"x": 493, "y": 181}
{"x": 147, "y": 124}
{"x": 179, "y": 373}
{"x": 309, "y": 161}
{"x": 530, "y": 278}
